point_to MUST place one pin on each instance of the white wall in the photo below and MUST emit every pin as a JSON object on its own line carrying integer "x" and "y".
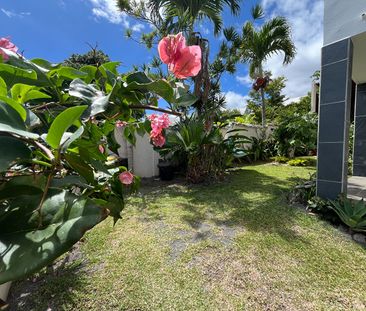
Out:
{"x": 143, "y": 159}
{"x": 342, "y": 19}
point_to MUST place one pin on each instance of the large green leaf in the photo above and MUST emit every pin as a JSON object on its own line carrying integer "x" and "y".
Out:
{"x": 14, "y": 104}
{"x": 69, "y": 73}
{"x": 80, "y": 166}
{"x": 3, "y": 88}
{"x": 71, "y": 138}
{"x": 12, "y": 123}
{"x": 97, "y": 100}
{"x": 22, "y": 93}
{"x": 12, "y": 74}
{"x": 25, "y": 248}
{"x": 20, "y": 70}
{"x": 22, "y": 185}
{"x": 13, "y": 150}
{"x": 61, "y": 123}
{"x": 139, "y": 81}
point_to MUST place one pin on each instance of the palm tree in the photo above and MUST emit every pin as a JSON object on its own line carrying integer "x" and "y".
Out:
{"x": 187, "y": 12}
{"x": 170, "y": 16}
{"x": 258, "y": 44}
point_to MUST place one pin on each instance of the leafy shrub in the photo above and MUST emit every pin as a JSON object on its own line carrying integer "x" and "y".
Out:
{"x": 280, "y": 159}
{"x": 352, "y": 213}
{"x": 297, "y": 162}
{"x": 296, "y": 134}
{"x": 261, "y": 148}
{"x": 56, "y": 129}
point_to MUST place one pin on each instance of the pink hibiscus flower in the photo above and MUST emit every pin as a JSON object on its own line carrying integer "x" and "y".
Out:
{"x": 158, "y": 124}
{"x": 126, "y": 178}
{"x": 184, "y": 61}
{"x": 6, "y": 44}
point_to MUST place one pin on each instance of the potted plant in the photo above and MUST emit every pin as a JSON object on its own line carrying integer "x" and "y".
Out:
{"x": 166, "y": 170}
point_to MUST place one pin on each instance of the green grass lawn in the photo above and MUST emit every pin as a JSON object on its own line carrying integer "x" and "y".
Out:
{"x": 235, "y": 245}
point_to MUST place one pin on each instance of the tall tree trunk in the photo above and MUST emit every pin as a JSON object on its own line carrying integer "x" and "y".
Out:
{"x": 263, "y": 109}
{"x": 263, "y": 101}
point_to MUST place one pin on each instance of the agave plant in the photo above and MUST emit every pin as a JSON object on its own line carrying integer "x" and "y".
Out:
{"x": 352, "y": 213}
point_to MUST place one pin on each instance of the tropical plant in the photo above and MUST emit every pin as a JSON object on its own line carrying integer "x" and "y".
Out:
{"x": 261, "y": 148}
{"x": 173, "y": 16}
{"x": 296, "y": 134}
{"x": 94, "y": 57}
{"x": 259, "y": 42}
{"x": 274, "y": 100}
{"x": 352, "y": 213}
{"x": 178, "y": 15}
{"x": 204, "y": 153}
{"x": 56, "y": 131}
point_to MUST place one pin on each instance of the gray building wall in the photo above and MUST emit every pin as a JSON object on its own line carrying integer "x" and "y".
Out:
{"x": 343, "y": 19}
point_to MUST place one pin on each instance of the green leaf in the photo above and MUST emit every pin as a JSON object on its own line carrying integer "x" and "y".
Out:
{"x": 69, "y": 73}
{"x": 13, "y": 150}
{"x": 22, "y": 185}
{"x": 3, "y": 88}
{"x": 90, "y": 71}
{"x": 97, "y": 100}
{"x": 12, "y": 75}
{"x": 24, "y": 71}
{"x": 44, "y": 63}
{"x": 11, "y": 122}
{"x": 23, "y": 93}
{"x": 112, "y": 67}
{"x": 72, "y": 138}
{"x": 139, "y": 81}
{"x": 80, "y": 166}
{"x": 15, "y": 105}
{"x": 25, "y": 248}
{"x": 61, "y": 123}
{"x": 32, "y": 120}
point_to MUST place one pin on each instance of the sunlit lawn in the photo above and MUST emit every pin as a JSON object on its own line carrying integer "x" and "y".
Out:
{"x": 235, "y": 245}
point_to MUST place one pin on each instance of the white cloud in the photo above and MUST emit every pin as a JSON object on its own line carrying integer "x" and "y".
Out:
{"x": 138, "y": 27}
{"x": 236, "y": 101}
{"x": 107, "y": 9}
{"x": 306, "y": 19}
{"x": 11, "y": 14}
{"x": 244, "y": 80}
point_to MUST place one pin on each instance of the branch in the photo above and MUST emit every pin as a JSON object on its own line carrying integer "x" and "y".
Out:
{"x": 36, "y": 144}
{"x": 149, "y": 107}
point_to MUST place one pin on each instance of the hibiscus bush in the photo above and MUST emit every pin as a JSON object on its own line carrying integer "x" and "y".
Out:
{"x": 57, "y": 134}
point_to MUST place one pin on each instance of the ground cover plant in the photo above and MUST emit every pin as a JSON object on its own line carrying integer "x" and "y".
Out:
{"x": 235, "y": 245}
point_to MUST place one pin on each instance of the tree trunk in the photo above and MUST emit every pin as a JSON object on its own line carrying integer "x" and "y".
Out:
{"x": 263, "y": 109}
{"x": 263, "y": 101}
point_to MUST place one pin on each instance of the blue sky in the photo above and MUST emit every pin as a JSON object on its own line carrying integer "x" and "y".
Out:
{"x": 55, "y": 29}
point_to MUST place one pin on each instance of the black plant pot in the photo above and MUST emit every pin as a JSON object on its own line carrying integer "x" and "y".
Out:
{"x": 166, "y": 171}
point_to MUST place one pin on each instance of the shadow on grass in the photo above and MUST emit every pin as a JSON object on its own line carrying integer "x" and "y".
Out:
{"x": 48, "y": 290}
{"x": 250, "y": 199}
